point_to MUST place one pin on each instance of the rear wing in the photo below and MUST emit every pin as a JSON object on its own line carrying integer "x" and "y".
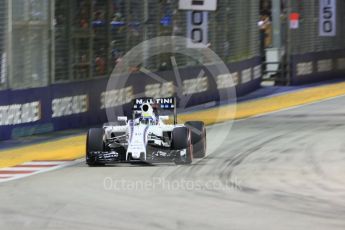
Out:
{"x": 167, "y": 103}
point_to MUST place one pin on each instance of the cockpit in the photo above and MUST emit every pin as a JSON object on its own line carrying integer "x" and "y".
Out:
{"x": 147, "y": 121}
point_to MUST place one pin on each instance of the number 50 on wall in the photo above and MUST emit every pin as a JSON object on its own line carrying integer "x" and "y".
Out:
{"x": 328, "y": 18}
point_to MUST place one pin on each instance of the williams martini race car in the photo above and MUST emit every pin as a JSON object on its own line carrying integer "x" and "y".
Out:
{"x": 146, "y": 138}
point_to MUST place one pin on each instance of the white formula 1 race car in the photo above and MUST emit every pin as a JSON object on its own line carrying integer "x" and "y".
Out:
{"x": 146, "y": 138}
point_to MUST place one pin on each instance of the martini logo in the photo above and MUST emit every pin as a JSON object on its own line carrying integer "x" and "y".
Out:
{"x": 154, "y": 101}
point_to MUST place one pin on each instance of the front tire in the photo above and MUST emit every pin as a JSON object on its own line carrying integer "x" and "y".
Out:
{"x": 94, "y": 143}
{"x": 198, "y": 132}
{"x": 181, "y": 141}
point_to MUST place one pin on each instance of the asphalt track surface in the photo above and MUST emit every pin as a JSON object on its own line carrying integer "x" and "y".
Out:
{"x": 283, "y": 170}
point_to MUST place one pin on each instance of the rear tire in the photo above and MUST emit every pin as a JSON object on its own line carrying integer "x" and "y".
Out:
{"x": 198, "y": 132}
{"x": 94, "y": 143}
{"x": 181, "y": 140}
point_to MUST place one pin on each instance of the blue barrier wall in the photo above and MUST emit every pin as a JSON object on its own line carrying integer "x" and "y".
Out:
{"x": 80, "y": 104}
{"x": 317, "y": 66}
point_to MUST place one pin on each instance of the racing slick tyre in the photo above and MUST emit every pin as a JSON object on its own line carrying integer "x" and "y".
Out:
{"x": 94, "y": 143}
{"x": 120, "y": 150}
{"x": 198, "y": 132}
{"x": 181, "y": 140}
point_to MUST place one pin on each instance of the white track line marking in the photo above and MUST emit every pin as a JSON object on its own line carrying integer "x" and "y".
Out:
{"x": 32, "y": 168}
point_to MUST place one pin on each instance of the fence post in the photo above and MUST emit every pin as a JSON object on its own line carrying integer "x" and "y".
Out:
{"x": 9, "y": 44}
{"x": 288, "y": 46}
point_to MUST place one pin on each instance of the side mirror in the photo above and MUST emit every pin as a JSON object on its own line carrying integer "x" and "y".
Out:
{"x": 122, "y": 119}
{"x": 164, "y": 118}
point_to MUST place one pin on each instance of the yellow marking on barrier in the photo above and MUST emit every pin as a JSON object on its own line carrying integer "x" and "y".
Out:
{"x": 74, "y": 147}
